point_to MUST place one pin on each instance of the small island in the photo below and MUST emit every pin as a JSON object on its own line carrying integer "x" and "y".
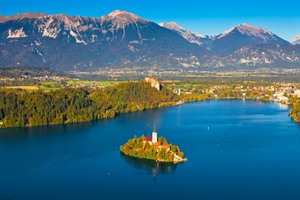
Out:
{"x": 152, "y": 148}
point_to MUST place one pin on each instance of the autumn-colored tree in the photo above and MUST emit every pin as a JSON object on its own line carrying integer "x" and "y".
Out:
{"x": 68, "y": 105}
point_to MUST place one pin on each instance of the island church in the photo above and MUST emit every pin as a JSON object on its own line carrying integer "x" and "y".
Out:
{"x": 151, "y": 139}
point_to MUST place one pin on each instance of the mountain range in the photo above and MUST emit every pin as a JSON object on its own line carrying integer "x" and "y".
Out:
{"x": 122, "y": 39}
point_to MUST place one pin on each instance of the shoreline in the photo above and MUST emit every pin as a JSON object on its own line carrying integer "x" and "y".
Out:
{"x": 178, "y": 103}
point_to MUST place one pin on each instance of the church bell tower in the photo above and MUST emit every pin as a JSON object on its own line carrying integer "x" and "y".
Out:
{"x": 154, "y": 136}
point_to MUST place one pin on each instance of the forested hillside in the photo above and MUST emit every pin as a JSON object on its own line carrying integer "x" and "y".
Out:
{"x": 23, "y": 108}
{"x": 295, "y": 111}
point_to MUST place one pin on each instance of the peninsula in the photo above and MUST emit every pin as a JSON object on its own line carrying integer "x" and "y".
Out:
{"x": 152, "y": 148}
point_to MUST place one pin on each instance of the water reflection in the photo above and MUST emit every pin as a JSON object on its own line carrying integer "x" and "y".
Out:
{"x": 283, "y": 106}
{"x": 151, "y": 166}
{"x": 37, "y": 131}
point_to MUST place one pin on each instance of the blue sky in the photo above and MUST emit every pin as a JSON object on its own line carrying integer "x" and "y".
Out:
{"x": 210, "y": 17}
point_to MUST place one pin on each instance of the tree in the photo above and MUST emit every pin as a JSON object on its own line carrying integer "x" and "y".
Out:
{"x": 67, "y": 105}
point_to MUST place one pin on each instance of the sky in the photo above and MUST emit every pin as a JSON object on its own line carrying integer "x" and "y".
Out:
{"x": 209, "y": 17}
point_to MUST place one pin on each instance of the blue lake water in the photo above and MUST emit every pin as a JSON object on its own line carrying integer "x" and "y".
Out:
{"x": 236, "y": 150}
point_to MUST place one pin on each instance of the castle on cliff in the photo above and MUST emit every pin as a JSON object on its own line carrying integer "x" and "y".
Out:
{"x": 154, "y": 82}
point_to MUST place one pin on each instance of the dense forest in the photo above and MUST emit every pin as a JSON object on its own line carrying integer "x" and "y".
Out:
{"x": 67, "y": 105}
{"x": 161, "y": 151}
{"x": 295, "y": 111}
{"x": 33, "y": 108}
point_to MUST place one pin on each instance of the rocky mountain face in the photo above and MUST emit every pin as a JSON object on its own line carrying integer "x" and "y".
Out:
{"x": 276, "y": 55}
{"x": 196, "y": 38}
{"x": 244, "y": 45}
{"x": 229, "y": 41}
{"x": 122, "y": 39}
{"x": 242, "y": 36}
{"x": 116, "y": 40}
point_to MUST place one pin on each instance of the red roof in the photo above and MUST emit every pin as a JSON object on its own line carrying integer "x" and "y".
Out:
{"x": 148, "y": 138}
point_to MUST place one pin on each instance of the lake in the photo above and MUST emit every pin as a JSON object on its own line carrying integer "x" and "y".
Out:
{"x": 236, "y": 150}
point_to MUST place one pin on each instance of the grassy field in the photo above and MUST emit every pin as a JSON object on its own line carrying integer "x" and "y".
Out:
{"x": 49, "y": 85}
{"x": 104, "y": 83}
{"x": 54, "y": 85}
{"x": 29, "y": 87}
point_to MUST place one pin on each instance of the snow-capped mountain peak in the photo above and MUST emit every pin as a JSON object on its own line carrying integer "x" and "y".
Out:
{"x": 119, "y": 13}
{"x": 251, "y": 31}
{"x": 120, "y": 19}
{"x": 223, "y": 34}
{"x": 175, "y": 27}
{"x": 243, "y": 35}
{"x": 171, "y": 26}
{"x": 123, "y": 16}
{"x": 296, "y": 40}
{"x": 195, "y": 38}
